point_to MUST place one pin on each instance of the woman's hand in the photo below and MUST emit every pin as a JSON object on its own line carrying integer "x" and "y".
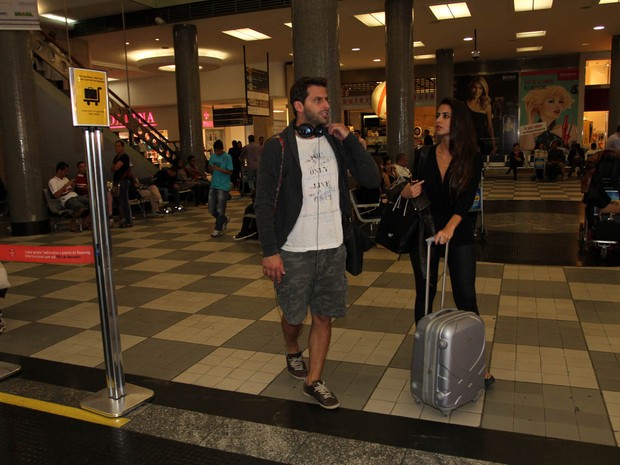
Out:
{"x": 412, "y": 190}
{"x": 531, "y": 111}
{"x": 444, "y": 235}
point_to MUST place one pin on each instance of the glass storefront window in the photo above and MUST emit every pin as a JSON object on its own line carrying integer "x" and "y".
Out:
{"x": 597, "y": 72}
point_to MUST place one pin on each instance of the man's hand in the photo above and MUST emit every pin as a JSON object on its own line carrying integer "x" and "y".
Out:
{"x": 338, "y": 130}
{"x": 273, "y": 268}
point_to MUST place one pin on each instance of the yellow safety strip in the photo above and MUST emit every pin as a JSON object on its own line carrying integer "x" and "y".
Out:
{"x": 62, "y": 410}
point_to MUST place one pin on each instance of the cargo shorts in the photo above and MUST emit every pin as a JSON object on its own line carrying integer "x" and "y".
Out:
{"x": 315, "y": 279}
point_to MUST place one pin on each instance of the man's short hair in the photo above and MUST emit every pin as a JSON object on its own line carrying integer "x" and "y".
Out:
{"x": 219, "y": 145}
{"x": 190, "y": 158}
{"x": 120, "y": 142}
{"x": 250, "y": 138}
{"x": 79, "y": 163}
{"x": 61, "y": 165}
{"x": 299, "y": 90}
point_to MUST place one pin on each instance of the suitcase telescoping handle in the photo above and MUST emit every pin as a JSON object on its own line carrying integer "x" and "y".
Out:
{"x": 429, "y": 242}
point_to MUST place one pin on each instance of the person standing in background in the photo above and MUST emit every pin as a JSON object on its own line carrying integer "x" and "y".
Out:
{"x": 122, "y": 178}
{"x": 220, "y": 167}
{"x": 249, "y": 156}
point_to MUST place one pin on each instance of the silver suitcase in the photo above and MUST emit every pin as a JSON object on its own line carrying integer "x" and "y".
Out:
{"x": 448, "y": 363}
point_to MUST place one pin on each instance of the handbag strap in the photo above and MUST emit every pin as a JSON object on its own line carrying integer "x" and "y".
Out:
{"x": 277, "y": 197}
{"x": 420, "y": 160}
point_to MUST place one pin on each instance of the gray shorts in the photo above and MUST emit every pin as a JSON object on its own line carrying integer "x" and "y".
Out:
{"x": 77, "y": 203}
{"x": 315, "y": 279}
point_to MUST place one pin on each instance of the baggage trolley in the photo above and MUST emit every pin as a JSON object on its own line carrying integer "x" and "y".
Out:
{"x": 448, "y": 363}
{"x": 477, "y": 210}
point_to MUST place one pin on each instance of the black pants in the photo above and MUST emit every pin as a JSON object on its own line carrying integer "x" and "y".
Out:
{"x": 462, "y": 268}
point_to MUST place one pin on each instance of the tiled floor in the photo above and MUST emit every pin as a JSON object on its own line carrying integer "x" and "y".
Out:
{"x": 197, "y": 310}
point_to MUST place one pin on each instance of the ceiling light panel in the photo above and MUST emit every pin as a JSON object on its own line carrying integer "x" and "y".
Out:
{"x": 418, "y": 43}
{"x": 59, "y": 19}
{"x": 424, "y": 57}
{"x": 603, "y": 2}
{"x": 450, "y": 10}
{"x": 246, "y": 34}
{"x": 529, "y": 49}
{"x": 529, "y": 5}
{"x": 372, "y": 19}
{"x": 528, "y": 34}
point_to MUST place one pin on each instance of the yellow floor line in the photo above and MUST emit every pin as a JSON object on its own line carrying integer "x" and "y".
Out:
{"x": 62, "y": 410}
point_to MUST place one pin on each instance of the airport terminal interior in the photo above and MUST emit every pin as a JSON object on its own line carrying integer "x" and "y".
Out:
{"x": 199, "y": 325}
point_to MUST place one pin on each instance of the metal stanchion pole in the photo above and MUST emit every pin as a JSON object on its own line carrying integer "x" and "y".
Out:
{"x": 118, "y": 398}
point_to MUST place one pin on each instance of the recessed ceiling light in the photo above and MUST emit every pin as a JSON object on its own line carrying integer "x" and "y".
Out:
{"x": 468, "y": 39}
{"x": 587, "y": 43}
{"x": 376, "y": 60}
{"x": 528, "y": 34}
{"x": 418, "y": 43}
{"x": 598, "y": 28}
{"x": 355, "y": 49}
{"x": 450, "y": 10}
{"x": 156, "y": 39}
{"x": 246, "y": 34}
{"x": 603, "y": 2}
{"x": 126, "y": 43}
{"x": 59, "y": 19}
{"x": 424, "y": 57}
{"x": 530, "y": 5}
{"x": 529, "y": 49}
{"x": 289, "y": 25}
{"x": 372, "y": 19}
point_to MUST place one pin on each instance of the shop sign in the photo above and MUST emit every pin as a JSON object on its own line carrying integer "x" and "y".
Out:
{"x": 144, "y": 115}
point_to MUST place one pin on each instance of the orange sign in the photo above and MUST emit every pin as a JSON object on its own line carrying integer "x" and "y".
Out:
{"x": 73, "y": 255}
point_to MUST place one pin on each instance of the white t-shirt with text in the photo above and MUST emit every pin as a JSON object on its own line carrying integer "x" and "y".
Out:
{"x": 319, "y": 225}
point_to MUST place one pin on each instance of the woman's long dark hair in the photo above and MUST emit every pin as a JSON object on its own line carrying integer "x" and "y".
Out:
{"x": 463, "y": 146}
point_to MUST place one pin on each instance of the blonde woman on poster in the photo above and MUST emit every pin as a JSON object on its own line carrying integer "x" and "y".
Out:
{"x": 480, "y": 108}
{"x": 546, "y": 106}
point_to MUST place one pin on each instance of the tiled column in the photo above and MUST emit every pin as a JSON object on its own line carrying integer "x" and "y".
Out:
{"x": 444, "y": 64}
{"x": 19, "y": 131}
{"x": 188, "y": 91}
{"x": 614, "y": 86}
{"x": 315, "y": 46}
{"x": 399, "y": 76}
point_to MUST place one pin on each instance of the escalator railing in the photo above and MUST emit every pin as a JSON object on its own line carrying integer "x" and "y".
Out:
{"x": 58, "y": 63}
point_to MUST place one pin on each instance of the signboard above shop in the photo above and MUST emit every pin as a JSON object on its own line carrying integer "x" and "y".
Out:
{"x": 19, "y": 15}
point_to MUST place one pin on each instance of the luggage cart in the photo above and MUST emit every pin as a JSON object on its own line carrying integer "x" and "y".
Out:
{"x": 477, "y": 210}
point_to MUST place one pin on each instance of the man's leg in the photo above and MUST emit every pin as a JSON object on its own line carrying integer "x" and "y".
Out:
{"x": 318, "y": 345}
{"x": 291, "y": 335}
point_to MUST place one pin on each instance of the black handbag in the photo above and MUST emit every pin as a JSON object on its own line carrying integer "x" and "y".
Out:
{"x": 399, "y": 222}
{"x": 356, "y": 242}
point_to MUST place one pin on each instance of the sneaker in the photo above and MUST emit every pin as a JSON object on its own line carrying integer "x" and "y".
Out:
{"x": 157, "y": 214}
{"x": 225, "y": 225}
{"x": 321, "y": 393}
{"x": 242, "y": 236}
{"x": 167, "y": 211}
{"x": 217, "y": 233}
{"x": 296, "y": 366}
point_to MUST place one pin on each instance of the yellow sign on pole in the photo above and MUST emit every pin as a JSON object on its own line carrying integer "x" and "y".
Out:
{"x": 89, "y": 97}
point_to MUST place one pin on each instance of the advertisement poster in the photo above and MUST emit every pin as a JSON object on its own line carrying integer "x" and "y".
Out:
{"x": 493, "y": 102}
{"x": 548, "y": 108}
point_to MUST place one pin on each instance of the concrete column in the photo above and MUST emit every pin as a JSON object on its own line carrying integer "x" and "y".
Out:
{"x": 19, "y": 132}
{"x": 315, "y": 46}
{"x": 188, "y": 91}
{"x": 614, "y": 86}
{"x": 399, "y": 77}
{"x": 444, "y": 65}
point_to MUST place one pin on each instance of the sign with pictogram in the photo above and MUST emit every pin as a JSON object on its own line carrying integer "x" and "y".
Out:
{"x": 89, "y": 97}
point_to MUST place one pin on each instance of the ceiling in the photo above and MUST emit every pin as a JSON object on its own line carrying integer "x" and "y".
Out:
{"x": 568, "y": 24}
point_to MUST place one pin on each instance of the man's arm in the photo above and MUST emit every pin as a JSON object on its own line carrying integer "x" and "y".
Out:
{"x": 267, "y": 182}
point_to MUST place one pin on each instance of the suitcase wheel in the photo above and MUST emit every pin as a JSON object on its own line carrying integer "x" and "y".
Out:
{"x": 417, "y": 401}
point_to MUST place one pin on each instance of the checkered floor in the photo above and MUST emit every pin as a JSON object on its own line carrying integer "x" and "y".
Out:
{"x": 197, "y": 310}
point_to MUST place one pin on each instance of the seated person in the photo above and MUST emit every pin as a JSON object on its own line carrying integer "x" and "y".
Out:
{"x": 556, "y": 162}
{"x": 167, "y": 183}
{"x": 576, "y": 159}
{"x": 62, "y": 188}
{"x": 150, "y": 193}
{"x": 593, "y": 150}
{"x": 401, "y": 166}
{"x": 515, "y": 160}
{"x": 603, "y": 173}
{"x": 389, "y": 173}
{"x": 193, "y": 172}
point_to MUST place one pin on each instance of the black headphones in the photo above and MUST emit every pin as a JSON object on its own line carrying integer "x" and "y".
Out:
{"x": 305, "y": 130}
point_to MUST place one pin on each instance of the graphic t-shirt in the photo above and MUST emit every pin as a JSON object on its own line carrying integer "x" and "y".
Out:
{"x": 319, "y": 225}
{"x": 220, "y": 180}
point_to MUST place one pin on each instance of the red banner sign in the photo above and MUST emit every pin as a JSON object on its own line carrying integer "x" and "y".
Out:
{"x": 73, "y": 255}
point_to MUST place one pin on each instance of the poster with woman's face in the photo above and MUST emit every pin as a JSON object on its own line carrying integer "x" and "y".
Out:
{"x": 493, "y": 103}
{"x": 548, "y": 108}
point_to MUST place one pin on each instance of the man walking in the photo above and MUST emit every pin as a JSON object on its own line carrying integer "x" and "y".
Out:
{"x": 301, "y": 203}
{"x": 250, "y": 155}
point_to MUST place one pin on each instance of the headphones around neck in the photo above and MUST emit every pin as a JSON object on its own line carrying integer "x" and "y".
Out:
{"x": 305, "y": 130}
